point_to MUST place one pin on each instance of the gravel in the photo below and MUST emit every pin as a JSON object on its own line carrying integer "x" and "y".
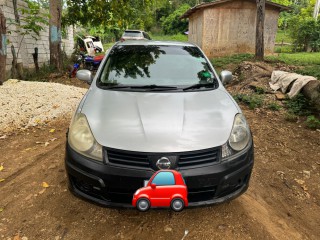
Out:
{"x": 24, "y": 104}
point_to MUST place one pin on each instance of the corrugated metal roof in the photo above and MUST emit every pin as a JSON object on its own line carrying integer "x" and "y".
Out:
{"x": 218, "y": 2}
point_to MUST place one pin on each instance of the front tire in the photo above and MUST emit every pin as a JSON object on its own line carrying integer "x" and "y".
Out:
{"x": 143, "y": 204}
{"x": 177, "y": 204}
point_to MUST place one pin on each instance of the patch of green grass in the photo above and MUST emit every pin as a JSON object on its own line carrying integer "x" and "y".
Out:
{"x": 274, "y": 106}
{"x": 177, "y": 37}
{"x": 106, "y": 46}
{"x": 310, "y": 70}
{"x": 253, "y": 101}
{"x": 298, "y": 59}
{"x": 284, "y": 49}
{"x": 221, "y": 62}
{"x": 283, "y": 36}
{"x": 312, "y": 122}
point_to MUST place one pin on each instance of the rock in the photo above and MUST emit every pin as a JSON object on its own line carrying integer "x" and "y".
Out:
{"x": 280, "y": 96}
{"x": 306, "y": 174}
{"x": 167, "y": 229}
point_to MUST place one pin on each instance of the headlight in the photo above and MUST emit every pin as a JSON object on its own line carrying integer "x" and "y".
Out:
{"x": 239, "y": 137}
{"x": 81, "y": 139}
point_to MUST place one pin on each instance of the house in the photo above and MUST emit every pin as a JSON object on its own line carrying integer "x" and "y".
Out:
{"x": 225, "y": 27}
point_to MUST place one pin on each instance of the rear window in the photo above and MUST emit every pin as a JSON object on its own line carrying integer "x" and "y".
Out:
{"x": 160, "y": 65}
{"x": 132, "y": 34}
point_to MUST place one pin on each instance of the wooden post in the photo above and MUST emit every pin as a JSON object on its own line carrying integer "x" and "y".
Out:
{"x": 14, "y": 62}
{"x": 35, "y": 59}
{"x": 261, "y": 6}
{"x": 3, "y": 47}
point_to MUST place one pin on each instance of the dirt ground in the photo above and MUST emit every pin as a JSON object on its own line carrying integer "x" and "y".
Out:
{"x": 282, "y": 202}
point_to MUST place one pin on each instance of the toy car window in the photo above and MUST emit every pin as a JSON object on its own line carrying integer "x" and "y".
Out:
{"x": 164, "y": 178}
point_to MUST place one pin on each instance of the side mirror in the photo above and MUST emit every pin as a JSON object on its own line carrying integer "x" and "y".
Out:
{"x": 226, "y": 77}
{"x": 153, "y": 186}
{"x": 85, "y": 75}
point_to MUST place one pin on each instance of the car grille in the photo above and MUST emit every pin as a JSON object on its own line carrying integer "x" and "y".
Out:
{"x": 144, "y": 160}
{"x": 126, "y": 158}
{"x": 196, "y": 158}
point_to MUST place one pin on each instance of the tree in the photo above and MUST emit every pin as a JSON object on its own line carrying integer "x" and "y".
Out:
{"x": 55, "y": 8}
{"x": 173, "y": 24}
{"x": 261, "y": 6}
{"x": 3, "y": 47}
{"x": 316, "y": 9}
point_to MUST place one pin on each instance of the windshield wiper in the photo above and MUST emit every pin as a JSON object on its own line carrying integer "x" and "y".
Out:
{"x": 199, "y": 85}
{"x": 154, "y": 87}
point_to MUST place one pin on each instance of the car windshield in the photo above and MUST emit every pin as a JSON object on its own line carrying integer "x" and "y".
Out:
{"x": 132, "y": 34}
{"x": 157, "y": 66}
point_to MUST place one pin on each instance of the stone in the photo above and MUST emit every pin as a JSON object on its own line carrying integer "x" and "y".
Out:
{"x": 280, "y": 96}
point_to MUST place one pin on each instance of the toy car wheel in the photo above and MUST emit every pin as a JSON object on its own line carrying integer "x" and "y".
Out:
{"x": 177, "y": 204}
{"x": 143, "y": 204}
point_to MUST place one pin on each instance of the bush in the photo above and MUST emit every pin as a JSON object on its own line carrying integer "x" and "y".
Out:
{"x": 305, "y": 33}
{"x": 173, "y": 24}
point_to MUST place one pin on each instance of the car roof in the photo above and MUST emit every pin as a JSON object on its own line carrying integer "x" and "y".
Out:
{"x": 129, "y": 30}
{"x": 153, "y": 43}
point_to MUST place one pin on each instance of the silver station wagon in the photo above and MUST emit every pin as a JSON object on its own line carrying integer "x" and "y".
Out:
{"x": 157, "y": 105}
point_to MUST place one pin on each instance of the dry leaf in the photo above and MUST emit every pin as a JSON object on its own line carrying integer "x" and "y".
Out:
{"x": 299, "y": 181}
{"x": 46, "y": 144}
{"x": 17, "y": 237}
{"x": 28, "y": 149}
{"x": 52, "y": 130}
{"x": 1, "y": 180}
{"x": 42, "y": 191}
{"x": 1, "y": 209}
{"x": 45, "y": 185}
{"x": 1, "y": 167}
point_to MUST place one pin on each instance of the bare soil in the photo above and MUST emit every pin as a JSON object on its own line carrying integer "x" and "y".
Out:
{"x": 282, "y": 202}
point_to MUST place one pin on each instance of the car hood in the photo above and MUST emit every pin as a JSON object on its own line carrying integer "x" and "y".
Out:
{"x": 160, "y": 122}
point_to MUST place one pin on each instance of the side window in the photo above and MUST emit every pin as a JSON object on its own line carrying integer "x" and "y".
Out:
{"x": 164, "y": 178}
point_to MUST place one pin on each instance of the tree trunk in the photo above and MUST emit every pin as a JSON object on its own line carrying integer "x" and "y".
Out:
{"x": 261, "y": 4}
{"x": 316, "y": 9}
{"x": 3, "y": 47}
{"x": 55, "y": 34}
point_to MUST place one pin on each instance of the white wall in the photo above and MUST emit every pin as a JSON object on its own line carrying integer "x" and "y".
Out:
{"x": 28, "y": 43}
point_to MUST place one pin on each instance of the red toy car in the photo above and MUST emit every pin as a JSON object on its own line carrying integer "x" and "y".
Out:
{"x": 166, "y": 188}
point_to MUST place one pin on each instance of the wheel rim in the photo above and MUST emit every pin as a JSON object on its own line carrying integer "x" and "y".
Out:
{"x": 177, "y": 205}
{"x": 143, "y": 205}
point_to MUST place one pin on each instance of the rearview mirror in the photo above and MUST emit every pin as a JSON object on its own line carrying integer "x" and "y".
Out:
{"x": 153, "y": 186}
{"x": 226, "y": 77}
{"x": 85, "y": 75}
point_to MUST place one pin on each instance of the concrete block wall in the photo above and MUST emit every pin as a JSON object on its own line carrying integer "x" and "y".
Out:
{"x": 28, "y": 42}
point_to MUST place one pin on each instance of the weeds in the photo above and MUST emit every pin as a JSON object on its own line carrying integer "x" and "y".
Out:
{"x": 253, "y": 101}
{"x": 298, "y": 105}
{"x": 312, "y": 122}
{"x": 291, "y": 117}
{"x": 274, "y": 106}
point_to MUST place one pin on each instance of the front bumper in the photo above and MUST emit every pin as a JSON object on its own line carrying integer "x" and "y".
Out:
{"x": 110, "y": 185}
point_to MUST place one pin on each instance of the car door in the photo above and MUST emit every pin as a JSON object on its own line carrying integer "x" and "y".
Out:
{"x": 165, "y": 187}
